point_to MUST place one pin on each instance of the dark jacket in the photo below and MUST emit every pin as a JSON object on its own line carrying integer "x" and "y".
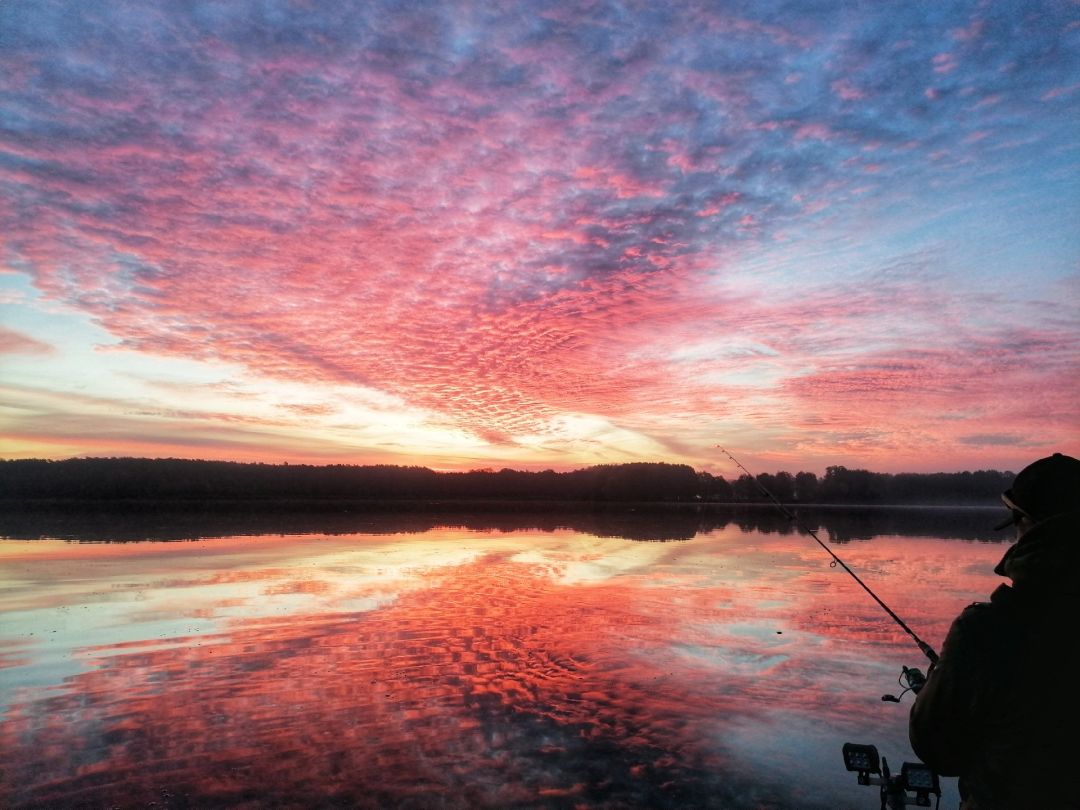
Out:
{"x": 1001, "y": 708}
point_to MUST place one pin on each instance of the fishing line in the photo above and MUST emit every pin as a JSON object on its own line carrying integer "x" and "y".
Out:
{"x": 927, "y": 650}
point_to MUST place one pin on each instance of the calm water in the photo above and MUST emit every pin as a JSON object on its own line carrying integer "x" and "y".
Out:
{"x": 466, "y": 661}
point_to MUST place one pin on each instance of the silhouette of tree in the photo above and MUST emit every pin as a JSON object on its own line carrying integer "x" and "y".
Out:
{"x": 806, "y": 487}
{"x": 133, "y": 479}
{"x": 781, "y": 485}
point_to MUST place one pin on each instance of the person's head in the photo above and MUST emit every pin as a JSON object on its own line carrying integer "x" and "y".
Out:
{"x": 1043, "y": 489}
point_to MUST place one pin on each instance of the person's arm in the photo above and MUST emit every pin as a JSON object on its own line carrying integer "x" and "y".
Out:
{"x": 944, "y": 727}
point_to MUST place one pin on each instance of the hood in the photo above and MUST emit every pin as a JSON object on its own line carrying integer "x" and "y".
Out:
{"x": 1048, "y": 555}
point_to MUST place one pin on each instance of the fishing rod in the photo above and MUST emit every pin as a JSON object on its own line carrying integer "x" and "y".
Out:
{"x": 927, "y": 650}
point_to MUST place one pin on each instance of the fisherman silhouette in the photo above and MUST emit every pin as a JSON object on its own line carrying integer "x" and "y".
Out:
{"x": 1000, "y": 708}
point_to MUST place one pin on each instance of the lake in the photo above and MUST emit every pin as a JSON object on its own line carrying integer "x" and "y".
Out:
{"x": 422, "y": 659}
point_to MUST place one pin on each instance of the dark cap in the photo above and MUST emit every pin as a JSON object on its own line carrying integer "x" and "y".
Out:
{"x": 1043, "y": 489}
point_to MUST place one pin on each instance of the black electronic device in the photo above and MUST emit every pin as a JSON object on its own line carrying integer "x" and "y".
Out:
{"x": 912, "y": 786}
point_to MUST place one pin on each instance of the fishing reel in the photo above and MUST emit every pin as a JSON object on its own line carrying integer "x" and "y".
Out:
{"x": 912, "y": 679}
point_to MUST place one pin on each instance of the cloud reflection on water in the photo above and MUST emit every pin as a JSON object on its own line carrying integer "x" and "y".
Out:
{"x": 458, "y": 668}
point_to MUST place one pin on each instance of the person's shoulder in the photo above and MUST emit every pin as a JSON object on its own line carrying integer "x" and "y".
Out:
{"x": 979, "y": 613}
{"x": 987, "y": 619}
{"x": 975, "y": 615}
{"x": 976, "y": 610}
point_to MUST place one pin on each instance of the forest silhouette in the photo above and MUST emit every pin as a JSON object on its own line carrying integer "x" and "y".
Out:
{"x": 139, "y": 479}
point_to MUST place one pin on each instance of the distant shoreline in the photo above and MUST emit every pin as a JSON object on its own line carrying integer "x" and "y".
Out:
{"x": 134, "y": 480}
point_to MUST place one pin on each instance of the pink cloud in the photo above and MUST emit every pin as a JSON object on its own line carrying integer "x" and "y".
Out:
{"x": 944, "y": 63}
{"x": 1058, "y": 92}
{"x": 815, "y": 131}
{"x": 12, "y": 342}
{"x": 970, "y": 33}
{"x": 988, "y": 101}
{"x": 623, "y": 187}
{"x": 937, "y": 398}
{"x": 846, "y": 90}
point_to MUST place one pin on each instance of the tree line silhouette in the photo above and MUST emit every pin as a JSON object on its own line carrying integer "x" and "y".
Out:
{"x": 114, "y": 479}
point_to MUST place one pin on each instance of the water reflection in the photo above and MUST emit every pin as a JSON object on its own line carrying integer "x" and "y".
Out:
{"x": 459, "y": 668}
{"x": 658, "y": 523}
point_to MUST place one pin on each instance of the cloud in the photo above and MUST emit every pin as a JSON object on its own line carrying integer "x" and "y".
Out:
{"x": 997, "y": 439}
{"x": 12, "y": 342}
{"x": 913, "y": 392}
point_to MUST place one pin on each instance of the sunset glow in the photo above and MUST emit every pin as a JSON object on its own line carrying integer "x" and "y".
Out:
{"x": 541, "y": 234}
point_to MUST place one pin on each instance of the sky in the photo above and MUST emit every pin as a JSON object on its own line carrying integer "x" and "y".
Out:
{"x": 541, "y": 235}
